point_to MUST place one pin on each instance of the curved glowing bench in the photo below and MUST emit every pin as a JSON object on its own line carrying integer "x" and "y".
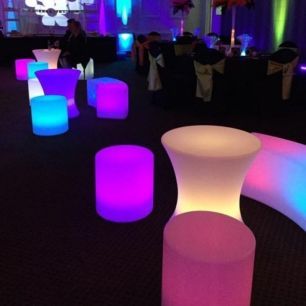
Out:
{"x": 124, "y": 183}
{"x": 110, "y": 97}
{"x": 49, "y": 115}
{"x": 21, "y": 68}
{"x": 277, "y": 177}
{"x": 34, "y": 88}
{"x": 210, "y": 163}
{"x": 50, "y": 56}
{"x": 61, "y": 82}
{"x": 208, "y": 259}
{"x": 34, "y": 67}
{"x": 88, "y": 72}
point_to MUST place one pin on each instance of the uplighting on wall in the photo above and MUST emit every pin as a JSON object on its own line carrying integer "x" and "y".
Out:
{"x": 124, "y": 10}
{"x": 280, "y": 14}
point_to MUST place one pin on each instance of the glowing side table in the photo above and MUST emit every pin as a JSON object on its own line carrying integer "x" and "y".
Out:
{"x": 208, "y": 259}
{"x": 124, "y": 183}
{"x": 61, "y": 82}
{"x": 50, "y": 56}
{"x": 210, "y": 163}
{"x": 21, "y": 68}
{"x": 49, "y": 115}
{"x": 34, "y": 67}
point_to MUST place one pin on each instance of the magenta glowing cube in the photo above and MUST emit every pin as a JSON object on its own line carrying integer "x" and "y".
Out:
{"x": 61, "y": 82}
{"x": 208, "y": 259}
{"x": 124, "y": 183}
{"x": 21, "y": 68}
{"x": 112, "y": 98}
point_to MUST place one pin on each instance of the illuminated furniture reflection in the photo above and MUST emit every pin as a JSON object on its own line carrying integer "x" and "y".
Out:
{"x": 49, "y": 115}
{"x": 277, "y": 177}
{"x": 21, "y": 68}
{"x": 34, "y": 88}
{"x": 50, "y": 56}
{"x": 61, "y": 82}
{"x": 34, "y": 67}
{"x": 210, "y": 163}
{"x": 208, "y": 259}
{"x": 124, "y": 183}
{"x": 111, "y": 97}
{"x": 87, "y": 72}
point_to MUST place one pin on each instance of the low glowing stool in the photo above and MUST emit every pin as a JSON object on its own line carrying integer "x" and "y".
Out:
{"x": 34, "y": 88}
{"x": 112, "y": 98}
{"x": 50, "y": 56}
{"x": 61, "y": 82}
{"x": 210, "y": 163}
{"x": 125, "y": 42}
{"x": 34, "y": 67}
{"x": 21, "y": 68}
{"x": 208, "y": 260}
{"x": 88, "y": 72}
{"x": 124, "y": 183}
{"x": 277, "y": 177}
{"x": 49, "y": 115}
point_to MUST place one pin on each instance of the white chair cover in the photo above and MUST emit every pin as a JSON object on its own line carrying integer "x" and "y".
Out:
{"x": 153, "y": 76}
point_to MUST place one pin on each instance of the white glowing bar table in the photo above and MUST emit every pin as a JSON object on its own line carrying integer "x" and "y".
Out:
{"x": 61, "y": 82}
{"x": 208, "y": 260}
{"x": 50, "y": 56}
{"x": 210, "y": 163}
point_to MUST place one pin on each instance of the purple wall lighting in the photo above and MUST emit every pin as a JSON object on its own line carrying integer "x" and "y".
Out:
{"x": 36, "y": 66}
{"x": 61, "y": 82}
{"x": 49, "y": 115}
{"x": 208, "y": 259}
{"x": 124, "y": 183}
{"x": 112, "y": 98}
{"x": 21, "y": 68}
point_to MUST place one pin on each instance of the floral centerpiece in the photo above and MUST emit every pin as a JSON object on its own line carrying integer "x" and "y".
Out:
{"x": 232, "y": 4}
{"x": 183, "y": 6}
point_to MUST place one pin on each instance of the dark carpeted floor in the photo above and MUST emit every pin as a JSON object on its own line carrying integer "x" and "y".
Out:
{"x": 55, "y": 250}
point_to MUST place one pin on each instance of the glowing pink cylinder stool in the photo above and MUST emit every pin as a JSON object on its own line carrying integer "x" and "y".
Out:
{"x": 21, "y": 68}
{"x": 112, "y": 98}
{"x": 208, "y": 260}
{"x": 124, "y": 183}
{"x": 61, "y": 82}
{"x": 210, "y": 164}
{"x": 50, "y": 56}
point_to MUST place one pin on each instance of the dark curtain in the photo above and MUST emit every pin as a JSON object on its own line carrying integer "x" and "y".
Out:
{"x": 259, "y": 23}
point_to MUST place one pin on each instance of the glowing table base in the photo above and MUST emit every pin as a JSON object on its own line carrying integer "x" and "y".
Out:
{"x": 210, "y": 163}
{"x": 208, "y": 260}
{"x": 124, "y": 183}
{"x": 61, "y": 82}
{"x": 34, "y": 88}
{"x": 49, "y": 56}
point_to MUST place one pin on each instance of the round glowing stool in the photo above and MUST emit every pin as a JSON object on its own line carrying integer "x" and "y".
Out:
{"x": 49, "y": 115}
{"x": 61, "y": 82}
{"x": 210, "y": 163}
{"x": 124, "y": 183}
{"x": 208, "y": 260}
{"x": 35, "y": 67}
{"x": 50, "y": 56}
{"x": 21, "y": 68}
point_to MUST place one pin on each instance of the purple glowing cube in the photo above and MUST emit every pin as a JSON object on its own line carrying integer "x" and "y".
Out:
{"x": 61, "y": 82}
{"x": 112, "y": 98}
{"x": 124, "y": 183}
{"x": 21, "y": 68}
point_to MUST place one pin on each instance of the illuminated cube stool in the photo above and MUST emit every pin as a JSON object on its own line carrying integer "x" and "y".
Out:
{"x": 88, "y": 72}
{"x": 34, "y": 88}
{"x": 208, "y": 260}
{"x": 49, "y": 115}
{"x": 124, "y": 183}
{"x": 21, "y": 68}
{"x": 277, "y": 177}
{"x": 61, "y": 82}
{"x": 36, "y": 66}
{"x": 50, "y": 56}
{"x": 112, "y": 98}
{"x": 125, "y": 42}
{"x": 210, "y": 163}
